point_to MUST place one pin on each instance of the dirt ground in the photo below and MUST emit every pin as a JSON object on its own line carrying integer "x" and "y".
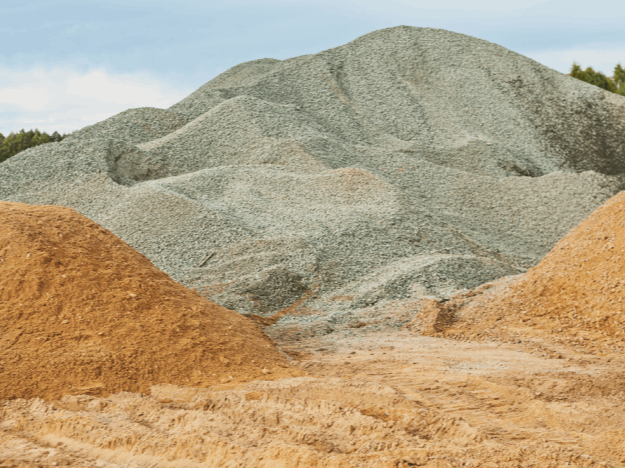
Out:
{"x": 376, "y": 400}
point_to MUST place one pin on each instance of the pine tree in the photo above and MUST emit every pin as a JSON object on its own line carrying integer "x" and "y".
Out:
{"x": 619, "y": 79}
{"x": 17, "y": 142}
{"x": 593, "y": 77}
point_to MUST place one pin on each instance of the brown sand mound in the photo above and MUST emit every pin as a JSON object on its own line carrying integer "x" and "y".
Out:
{"x": 576, "y": 293}
{"x": 83, "y": 313}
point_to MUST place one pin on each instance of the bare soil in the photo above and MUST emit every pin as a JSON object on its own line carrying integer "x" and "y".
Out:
{"x": 379, "y": 400}
{"x": 524, "y": 372}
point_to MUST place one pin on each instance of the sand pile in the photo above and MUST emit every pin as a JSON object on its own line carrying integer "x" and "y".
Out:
{"x": 83, "y": 313}
{"x": 576, "y": 293}
{"x": 410, "y": 162}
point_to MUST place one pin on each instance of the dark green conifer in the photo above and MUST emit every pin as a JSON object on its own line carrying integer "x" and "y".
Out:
{"x": 17, "y": 142}
{"x": 593, "y": 77}
{"x": 619, "y": 79}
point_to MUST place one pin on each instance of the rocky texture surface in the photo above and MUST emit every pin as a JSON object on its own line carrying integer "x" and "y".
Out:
{"x": 574, "y": 295}
{"x": 408, "y": 163}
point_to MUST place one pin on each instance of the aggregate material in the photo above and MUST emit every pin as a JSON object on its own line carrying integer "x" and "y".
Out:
{"x": 573, "y": 296}
{"x": 81, "y": 313}
{"x": 408, "y": 163}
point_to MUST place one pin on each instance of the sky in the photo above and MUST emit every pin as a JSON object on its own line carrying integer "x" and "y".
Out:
{"x": 68, "y": 64}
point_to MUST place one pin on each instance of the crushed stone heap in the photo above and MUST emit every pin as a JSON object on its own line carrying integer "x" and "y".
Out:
{"x": 83, "y": 313}
{"x": 410, "y": 162}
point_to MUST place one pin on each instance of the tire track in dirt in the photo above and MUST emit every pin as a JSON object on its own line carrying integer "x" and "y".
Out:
{"x": 377, "y": 400}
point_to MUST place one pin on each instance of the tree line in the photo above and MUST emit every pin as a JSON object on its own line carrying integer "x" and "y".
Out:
{"x": 614, "y": 83}
{"x": 16, "y": 142}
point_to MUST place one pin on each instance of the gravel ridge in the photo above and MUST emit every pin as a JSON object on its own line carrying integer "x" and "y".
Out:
{"x": 410, "y": 162}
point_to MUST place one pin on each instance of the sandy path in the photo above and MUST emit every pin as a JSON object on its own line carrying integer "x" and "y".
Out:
{"x": 377, "y": 400}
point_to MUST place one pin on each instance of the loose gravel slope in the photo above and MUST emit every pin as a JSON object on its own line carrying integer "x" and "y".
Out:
{"x": 410, "y": 162}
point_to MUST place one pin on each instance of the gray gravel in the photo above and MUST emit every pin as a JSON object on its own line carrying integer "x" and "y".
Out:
{"x": 410, "y": 162}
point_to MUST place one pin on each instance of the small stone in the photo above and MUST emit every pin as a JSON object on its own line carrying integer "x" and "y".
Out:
{"x": 265, "y": 371}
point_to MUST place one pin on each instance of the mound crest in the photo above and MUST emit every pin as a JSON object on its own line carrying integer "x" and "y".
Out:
{"x": 83, "y": 313}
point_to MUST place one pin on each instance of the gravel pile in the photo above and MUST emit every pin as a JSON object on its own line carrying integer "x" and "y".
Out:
{"x": 410, "y": 162}
{"x": 155, "y": 123}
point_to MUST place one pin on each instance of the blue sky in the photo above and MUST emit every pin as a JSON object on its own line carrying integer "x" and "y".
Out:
{"x": 67, "y": 64}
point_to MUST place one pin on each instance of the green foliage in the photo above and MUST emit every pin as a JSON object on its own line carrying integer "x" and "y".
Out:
{"x": 16, "y": 142}
{"x": 619, "y": 79}
{"x": 614, "y": 84}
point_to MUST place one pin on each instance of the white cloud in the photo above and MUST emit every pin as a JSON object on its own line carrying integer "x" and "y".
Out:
{"x": 123, "y": 90}
{"x": 27, "y": 97}
{"x": 65, "y": 100}
{"x": 601, "y": 58}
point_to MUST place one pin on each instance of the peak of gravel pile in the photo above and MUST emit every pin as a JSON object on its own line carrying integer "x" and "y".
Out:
{"x": 83, "y": 313}
{"x": 410, "y": 162}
